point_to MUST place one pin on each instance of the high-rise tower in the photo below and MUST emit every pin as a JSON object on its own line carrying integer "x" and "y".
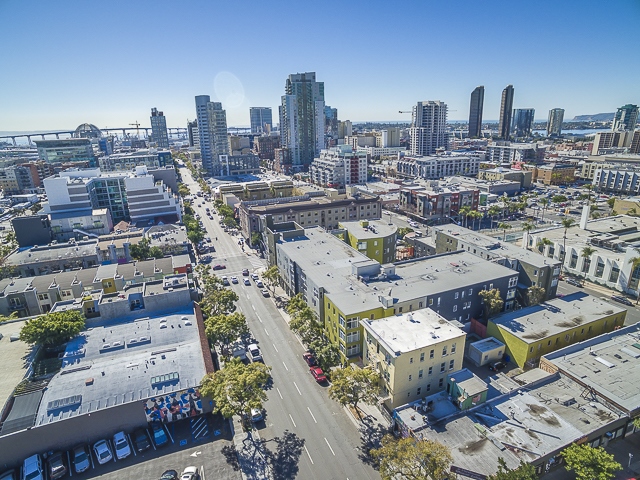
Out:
{"x": 159, "y": 128}
{"x": 475, "y": 112}
{"x": 522, "y": 122}
{"x": 260, "y": 117}
{"x": 554, "y": 124}
{"x": 429, "y": 127}
{"x": 302, "y": 118}
{"x": 625, "y": 118}
{"x": 212, "y": 129}
{"x": 506, "y": 107}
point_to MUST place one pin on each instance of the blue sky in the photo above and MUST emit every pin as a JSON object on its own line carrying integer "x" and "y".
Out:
{"x": 67, "y": 62}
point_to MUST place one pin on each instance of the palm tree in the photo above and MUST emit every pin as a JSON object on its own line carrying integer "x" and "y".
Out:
{"x": 586, "y": 254}
{"x": 504, "y": 226}
{"x": 566, "y": 223}
{"x": 492, "y": 212}
{"x": 527, "y": 227}
{"x": 505, "y": 204}
{"x": 543, "y": 242}
{"x": 635, "y": 264}
{"x": 545, "y": 203}
{"x": 475, "y": 215}
{"x": 464, "y": 211}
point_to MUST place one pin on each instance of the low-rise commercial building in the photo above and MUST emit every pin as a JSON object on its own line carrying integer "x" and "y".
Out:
{"x": 265, "y": 146}
{"x": 500, "y": 174}
{"x": 69, "y": 150}
{"x": 553, "y": 173}
{"x": 54, "y": 257}
{"x": 535, "y": 331}
{"x": 413, "y": 353}
{"x": 624, "y": 205}
{"x": 244, "y": 163}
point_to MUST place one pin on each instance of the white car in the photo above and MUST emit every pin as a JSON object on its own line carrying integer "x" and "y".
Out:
{"x": 259, "y": 284}
{"x": 102, "y": 452}
{"x": 190, "y": 473}
{"x": 121, "y": 445}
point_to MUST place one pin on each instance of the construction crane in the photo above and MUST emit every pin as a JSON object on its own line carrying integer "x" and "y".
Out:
{"x": 405, "y": 111}
{"x": 137, "y": 125}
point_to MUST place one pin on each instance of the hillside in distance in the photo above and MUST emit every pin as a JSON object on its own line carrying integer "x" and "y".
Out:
{"x": 597, "y": 117}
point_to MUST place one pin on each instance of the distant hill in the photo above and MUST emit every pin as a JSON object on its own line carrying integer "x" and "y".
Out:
{"x": 598, "y": 117}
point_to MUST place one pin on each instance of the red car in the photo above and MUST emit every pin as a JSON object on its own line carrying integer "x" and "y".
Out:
{"x": 318, "y": 374}
{"x": 219, "y": 267}
{"x": 310, "y": 359}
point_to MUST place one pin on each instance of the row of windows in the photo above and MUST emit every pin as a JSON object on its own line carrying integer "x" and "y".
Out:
{"x": 427, "y": 388}
{"x": 443, "y": 367}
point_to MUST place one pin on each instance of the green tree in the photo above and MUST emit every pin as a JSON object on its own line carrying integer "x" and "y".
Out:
{"x": 412, "y": 459}
{"x": 635, "y": 264}
{"x": 559, "y": 199}
{"x": 6, "y": 318}
{"x": 566, "y": 224}
{"x": 527, "y": 227}
{"x": 493, "y": 212}
{"x": 535, "y": 295}
{"x": 272, "y": 276}
{"x": 543, "y": 242}
{"x": 229, "y": 222}
{"x": 611, "y": 202}
{"x": 475, "y": 215}
{"x": 525, "y": 471}
{"x": 586, "y": 253}
{"x": 143, "y": 250}
{"x": 492, "y": 302}
{"x": 237, "y": 388}
{"x": 464, "y": 212}
{"x": 53, "y": 329}
{"x": 304, "y": 323}
{"x": 183, "y": 190}
{"x": 327, "y": 354}
{"x": 402, "y": 231}
{"x": 590, "y": 463}
{"x": 255, "y": 239}
{"x": 223, "y": 330}
{"x": 296, "y": 303}
{"x": 545, "y": 203}
{"x": 351, "y": 386}
{"x": 219, "y": 301}
{"x": 504, "y": 226}
{"x": 35, "y": 208}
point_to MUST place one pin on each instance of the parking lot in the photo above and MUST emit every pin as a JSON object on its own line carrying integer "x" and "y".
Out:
{"x": 204, "y": 442}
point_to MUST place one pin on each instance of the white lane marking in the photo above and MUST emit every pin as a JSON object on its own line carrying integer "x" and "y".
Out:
{"x": 294, "y": 423}
{"x": 285, "y": 366}
{"x": 252, "y": 306}
{"x": 276, "y": 348}
{"x": 265, "y": 331}
{"x": 308, "y": 455}
{"x": 259, "y": 318}
{"x": 296, "y": 385}
{"x": 279, "y": 393}
{"x": 334, "y": 453}
{"x": 311, "y": 413}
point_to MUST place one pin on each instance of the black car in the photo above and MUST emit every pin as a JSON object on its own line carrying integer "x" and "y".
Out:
{"x": 621, "y": 299}
{"x": 141, "y": 440}
{"x": 497, "y": 366}
{"x": 574, "y": 282}
{"x": 56, "y": 466}
{"x": 169, "y": 475}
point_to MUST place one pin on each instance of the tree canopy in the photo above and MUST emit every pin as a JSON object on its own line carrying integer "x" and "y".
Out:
{"x": 272, "y": 275}
{"x": 412, "y": 459}
{"x": 525, "y": 471}
{"x": 492, "y": 301}
{"x": 535, "y": 295}
{"x": 237, "y": 388}
{"x": 590, "y": 463}
{"x": 223, "y": 330}
{"x": 351, "y": 386}
{"x": 143, "y": 250}
{"x": 53, "y": 329}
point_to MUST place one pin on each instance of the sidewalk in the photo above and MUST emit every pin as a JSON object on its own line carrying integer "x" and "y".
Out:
{"x": 250, "y": 452}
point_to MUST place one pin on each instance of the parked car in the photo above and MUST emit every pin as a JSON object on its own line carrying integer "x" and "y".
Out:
{"x": 253, "y": 353}
{"x": 56, "y": 466}
{"x": 318, "y": 374}
{"x": 80, "y": 457}
{"x": 254, "y": 276}
{"x": 190, "y": 473}
{"x": 160, "y": 436}
{"x": 265, "y": 292}
{"x": 219, "y": 267}
{"x": 497, "y": 366}
{"x": 141, "y": 440}
{"x": 256, "y": 414}
{"x": 245, "y": 272}
{"x": 310, "y": 359}
{"x": 574, "y": 282}
{"x": 102, "y": 451}
{"x": 621, "y": 299}
{"x": 169, "y": 475}
{"x": 225, "y": 280}
{"x": 32, "y": 468}
{"x": 247, "y": 282}
{"x": 234, "y": 279}
{"x": 9, "y": 475}
{"x": 121, "y": 445}
{"x": 259, "y": 284}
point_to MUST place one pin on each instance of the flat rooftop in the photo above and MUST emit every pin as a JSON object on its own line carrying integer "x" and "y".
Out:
{"x": 14, "y": 361}
{"x": 374, "y": 229}
{"x": 532, "y": 324}
{"x": 412, "y": 331}
{"x": 496, "y": 246}
{"x": 487, "y": 344}
{"x": 609, "y": 363}
{"x": 122, "y": 363}
{"x": 48, "y": 253}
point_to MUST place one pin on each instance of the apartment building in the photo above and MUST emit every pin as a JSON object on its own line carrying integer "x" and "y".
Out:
{"x": 515, "y": 153}
{"x": 618, "y": 179}
{"x": 434, "y": 200}
{"x": 119, "y": 162}
{"x": 439, "y": 166}
{"x": 413, "y": 353}
{"x": 338, "y": 167}
{"x": 375, "y": 238}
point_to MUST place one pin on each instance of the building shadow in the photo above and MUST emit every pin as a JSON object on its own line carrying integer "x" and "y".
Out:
{"x": 371, "y": 433}
{"x": 286, "y": 456}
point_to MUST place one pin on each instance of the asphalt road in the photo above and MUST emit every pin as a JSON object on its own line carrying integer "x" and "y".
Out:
{"x": 309, "y": 435}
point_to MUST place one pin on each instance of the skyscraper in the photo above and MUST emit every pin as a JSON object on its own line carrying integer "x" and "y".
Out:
{"x": 506, "y": 106}
{"x": 331, "y": 120}
{"x": 554, "y": 124}
{"x": 302, "y": 119}
{"x": 522, "y": 122}
{"x": 260, "y": 117}
{"x": 626, "y": 118}
{"x": 475, "y": 112}
{"x": 429, "y": 127}
{"x": 212, "y": 129}
{"x": 159, "y": 128}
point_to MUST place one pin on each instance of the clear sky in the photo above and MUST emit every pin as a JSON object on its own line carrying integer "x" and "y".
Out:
{"x": 67, "y": 62}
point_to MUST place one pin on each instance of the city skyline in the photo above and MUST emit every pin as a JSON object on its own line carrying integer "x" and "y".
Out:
{"x": 51, "y": 88}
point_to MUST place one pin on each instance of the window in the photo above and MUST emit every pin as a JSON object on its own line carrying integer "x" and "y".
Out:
{"x": 430, "y": 301}
{"x": 409, "y": 377}
{"x": 471, "y": 291}
{"x": 444, "y": 351}
{"x": 451, "y": 364}
{"x": 455, "y": 308}
{"x": 453, "y": 348}
{"x": 428, "y": 387}
{"x": 431, "y": 353}
{"x": 408, "y": 394}
{"x": 456, "y": 295}
{"x": 342, "y": 321}
{"x": 411, "y": 360}
{"x": 441, "y": 382}
{"x": 422, "y": 357}
{"x": 419, "y": 390}
{"x": 420, "y": 373}
{"x": 443, "y": 366}
{"x": 430, "y": 370}
{"x": 352, "y": 322}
